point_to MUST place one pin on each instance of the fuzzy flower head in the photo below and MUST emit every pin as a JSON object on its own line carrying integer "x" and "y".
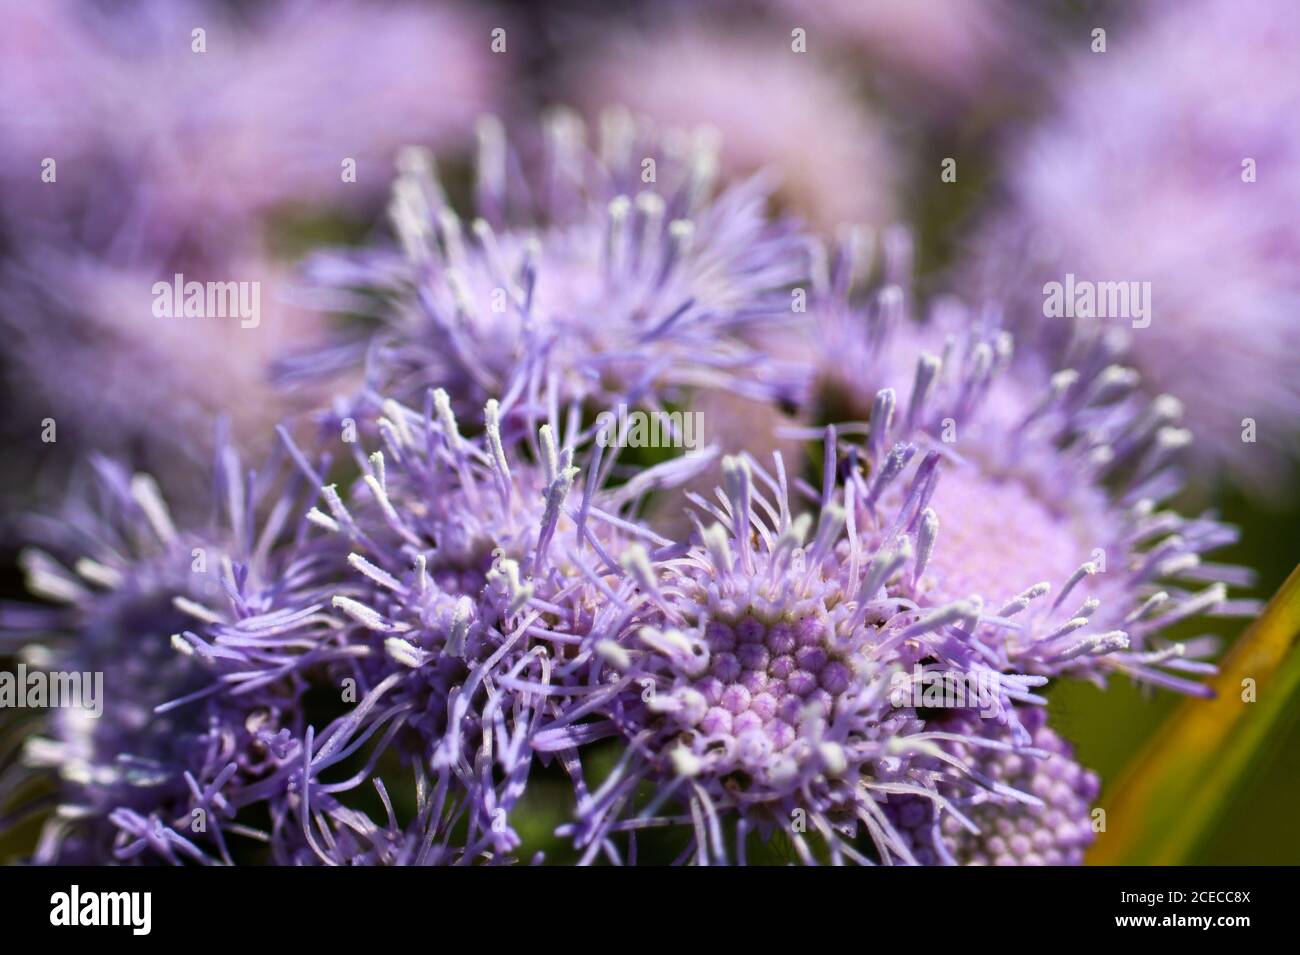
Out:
{"x": 979, "y": 519}
{"x": 1170, "y": 172}
{"x": 757, "y": 687}
{"x": 614, "y": 276}
{"x": 475, "y": 569}
{"x": 1046, "y": 486}
{"x": 762, "y": 697}
{"x": 182, "y": 623}
{"x": 1048, "y": 820}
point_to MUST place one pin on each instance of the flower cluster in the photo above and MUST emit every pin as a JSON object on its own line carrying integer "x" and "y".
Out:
{"x": 844, "y": 658}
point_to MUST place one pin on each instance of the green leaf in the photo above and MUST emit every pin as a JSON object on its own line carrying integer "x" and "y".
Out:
{"x": 1173, "y": 793}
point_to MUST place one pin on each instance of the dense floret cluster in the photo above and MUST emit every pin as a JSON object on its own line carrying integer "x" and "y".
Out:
{"x": 452, "y": 588}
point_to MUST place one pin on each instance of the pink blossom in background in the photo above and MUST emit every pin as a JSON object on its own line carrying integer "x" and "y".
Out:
{"x": 942, "y": 51}
{"x": 770, "y": 105}
{"x": 1140, "y": 177}
{"x": 283, "y": 94}
{"x": 115, "y": 375}
{"x": 171, "y": 161}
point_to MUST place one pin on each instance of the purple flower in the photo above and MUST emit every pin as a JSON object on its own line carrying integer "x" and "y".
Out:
{"x": 1044, "y": 488}
{"x": 195, "y": 133}
{"x": 989, "y": 519}
{"x": 187, "y": 625}
{"x": 757, "y": 689}
{"x": 614, "y": 276}
{"x": 161, "y": 137}
{"x": 476, "y": 569}
{"x": 1173, "y": 161}
{"x": 90, "y": 351}
{"x": 1047, "y": 821}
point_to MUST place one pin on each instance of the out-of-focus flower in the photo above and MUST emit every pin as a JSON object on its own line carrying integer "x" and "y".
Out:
{"x": 1166, "y": 180}
{"x": 124, "y": 99}
{"x": 144, "y": 140}
{"x": 615, "y": 276}
{"x": 946, "y": 53}
{"x": 115, "y": 359}
{"x": 793, "y": 113}
{"x": 183, "y": 732}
